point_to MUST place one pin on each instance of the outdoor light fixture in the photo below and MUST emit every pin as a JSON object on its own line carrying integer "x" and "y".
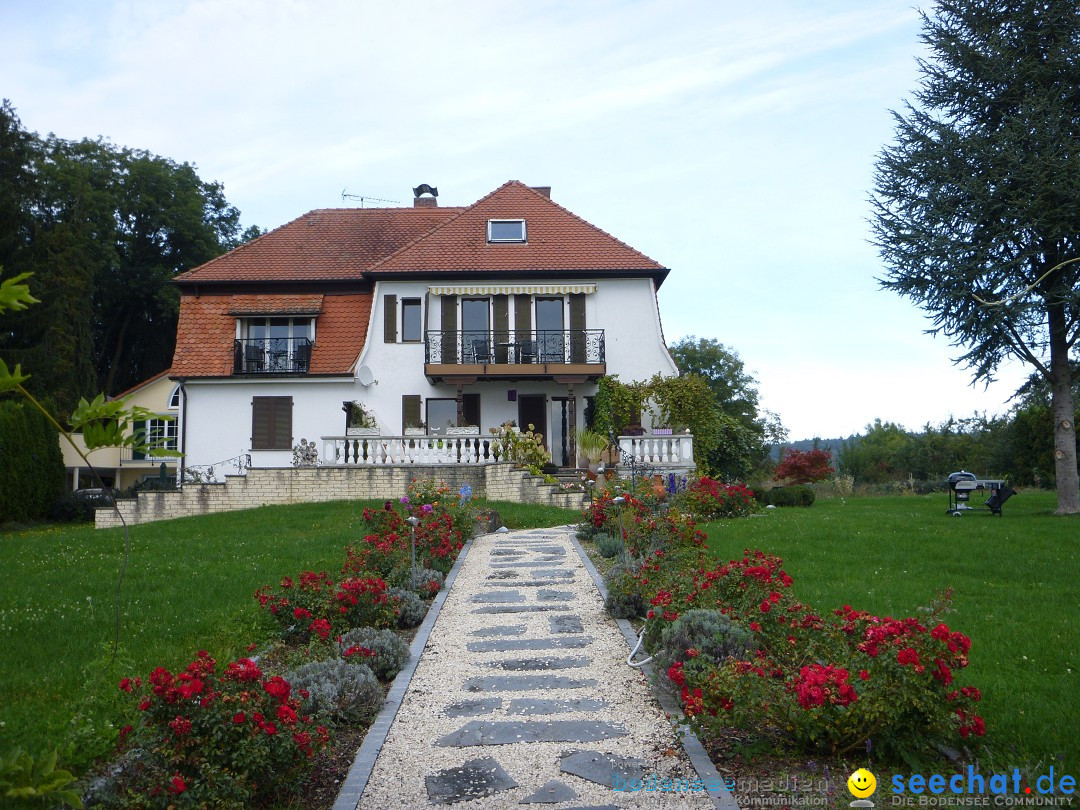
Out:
{"x": 412, "y": 520}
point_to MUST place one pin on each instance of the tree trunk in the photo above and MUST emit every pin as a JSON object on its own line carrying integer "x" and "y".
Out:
{"x": 1064, "y": 414}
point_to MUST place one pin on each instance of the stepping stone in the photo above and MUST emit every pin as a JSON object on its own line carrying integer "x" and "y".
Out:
{"x": 501, "y": 630}
{"x": 473, "y": 780}
{"x": 513, "y": 644}
{"x": 471, "y": 708}
{"x": 524, "y": 564}
{"x": 602, "y": 768}
{"x": 554, "y": 596}
{"x": 565, "y": 624}
{"x": 499, "y": 596}
{"x": 510, "y": 732}
{"x": 568, "y": 662}
{"x": 553, "y": 573}
{"x": 506, "y": 552}
{"x": 518, "y": 608}
{"x": 524, "y": 683}
{"x": 546, "y": 706}
{"x": 551, "y": 792}
{"x": 526, "y": 583}
{"x": 507, "y": 574}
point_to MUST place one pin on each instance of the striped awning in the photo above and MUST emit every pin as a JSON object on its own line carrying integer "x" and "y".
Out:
{"x": 511, "y": 289}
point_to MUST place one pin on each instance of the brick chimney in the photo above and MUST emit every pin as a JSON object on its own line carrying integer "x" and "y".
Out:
{"x": 425, "y": 202}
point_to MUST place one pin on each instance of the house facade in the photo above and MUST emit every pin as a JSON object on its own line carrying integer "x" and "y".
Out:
{"x": 123, "y": 467}
{"x": 437, "y": 323}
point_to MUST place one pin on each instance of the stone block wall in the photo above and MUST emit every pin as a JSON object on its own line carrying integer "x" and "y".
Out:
{"x": 262, "y": 487}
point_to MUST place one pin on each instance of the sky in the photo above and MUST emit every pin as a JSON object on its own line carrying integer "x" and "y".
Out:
{"x": 732, "y": 142}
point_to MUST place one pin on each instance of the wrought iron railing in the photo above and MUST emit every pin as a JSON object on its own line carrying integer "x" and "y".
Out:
{"x": 454, "y": 347}
{"x": 272, "y": 355}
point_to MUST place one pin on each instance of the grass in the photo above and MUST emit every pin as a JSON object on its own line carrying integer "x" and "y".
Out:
{"x": 1015, "y": 583}
{"x": 188, "y": 586}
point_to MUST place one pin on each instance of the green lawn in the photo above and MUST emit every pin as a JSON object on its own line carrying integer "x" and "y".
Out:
{"x": 1015, "y": 580}
{"x": 188, "y": 586}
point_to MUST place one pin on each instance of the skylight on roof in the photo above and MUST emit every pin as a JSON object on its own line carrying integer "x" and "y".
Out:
{"x": 506, "y": 230}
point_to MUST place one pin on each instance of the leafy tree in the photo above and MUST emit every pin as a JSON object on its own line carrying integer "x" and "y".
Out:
{"x": 804, "y": 466}
{"x": 103, "y": 229}
{"x": 975, "y": 205}
{"x": 747, "y": 434}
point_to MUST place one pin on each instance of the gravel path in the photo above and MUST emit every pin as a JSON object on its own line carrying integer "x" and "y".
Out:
{"x": 522, "y": 695}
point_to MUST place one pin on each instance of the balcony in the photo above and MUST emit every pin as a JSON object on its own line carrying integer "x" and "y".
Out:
{"x": 452, "y": 356}
{"x": 272, "y": 356}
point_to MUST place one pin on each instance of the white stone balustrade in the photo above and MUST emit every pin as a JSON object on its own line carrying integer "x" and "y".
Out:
{"x": 383, "y": 450}
{"x": 658, "y": 451}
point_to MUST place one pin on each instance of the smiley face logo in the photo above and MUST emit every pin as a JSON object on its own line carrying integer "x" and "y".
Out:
{"x": 862, "y": 784}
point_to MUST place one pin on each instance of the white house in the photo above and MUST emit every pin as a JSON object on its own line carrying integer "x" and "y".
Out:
{"x": 508, "y": 309}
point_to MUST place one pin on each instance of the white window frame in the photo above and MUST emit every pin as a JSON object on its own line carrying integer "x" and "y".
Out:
{"x": 517, "y": 239}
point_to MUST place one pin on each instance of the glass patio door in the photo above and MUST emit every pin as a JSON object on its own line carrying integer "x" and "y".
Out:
{"x": 549, "y": 329}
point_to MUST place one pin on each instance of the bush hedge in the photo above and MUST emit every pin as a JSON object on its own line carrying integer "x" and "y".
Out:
{"x": 797, "y": 495}
{"x": 32, "y": 475}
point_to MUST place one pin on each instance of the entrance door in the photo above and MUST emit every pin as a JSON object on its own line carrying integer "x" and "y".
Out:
{"x": 560, "y": 438}
{"x": 532, "y": 410}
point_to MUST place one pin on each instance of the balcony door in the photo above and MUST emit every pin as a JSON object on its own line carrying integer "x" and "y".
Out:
{"x": 476, "y": 330}
{"x": 549, "y": 329}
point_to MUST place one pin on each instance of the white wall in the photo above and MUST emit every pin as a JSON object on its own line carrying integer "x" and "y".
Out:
{"x": 218, "y": 419}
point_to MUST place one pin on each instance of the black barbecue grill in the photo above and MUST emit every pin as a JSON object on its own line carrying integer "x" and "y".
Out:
{"x": 962, "y": 484}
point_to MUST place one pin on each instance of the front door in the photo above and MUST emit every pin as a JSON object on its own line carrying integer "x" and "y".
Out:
{"x": 532, "y": 410}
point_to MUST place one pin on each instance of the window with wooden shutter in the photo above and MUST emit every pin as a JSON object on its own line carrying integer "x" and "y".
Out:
{"x": 389, "y": 319}
{"x": 271, "y": 423}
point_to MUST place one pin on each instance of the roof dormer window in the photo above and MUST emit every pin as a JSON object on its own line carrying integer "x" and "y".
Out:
{"x": 506, "y": 230}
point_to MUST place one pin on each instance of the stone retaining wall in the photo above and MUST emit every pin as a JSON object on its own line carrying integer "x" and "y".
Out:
{"x": 261, "y": 487}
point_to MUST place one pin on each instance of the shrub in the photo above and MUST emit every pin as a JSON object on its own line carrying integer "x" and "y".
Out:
{"x": 382, "y": 650}
{"x": 798, "y": 495}
{"x": 626, "y": 597}
{"x": 313, "y": 605}
{"x": 429, "y": 581}
{"x": 338, "y": 690}
{"x": 411, "y": 609}
{"x": 221, "y": 738}
{"x": 608, "y": 546}
{"x": 32, "y": 475}
{"x": 707, "y": 499}
{"x": 702, "y": 632}
{"x": 804, "y": 466}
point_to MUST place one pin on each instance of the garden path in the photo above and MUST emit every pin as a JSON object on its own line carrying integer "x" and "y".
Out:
{"x": 522, "y": 696}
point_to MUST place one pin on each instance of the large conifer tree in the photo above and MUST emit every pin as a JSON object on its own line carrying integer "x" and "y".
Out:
{"x": 977, "y": 203}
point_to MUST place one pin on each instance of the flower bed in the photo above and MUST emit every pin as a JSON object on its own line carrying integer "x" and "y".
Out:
{"x": 231, "y": 736}
{"x": 768, "y": 662}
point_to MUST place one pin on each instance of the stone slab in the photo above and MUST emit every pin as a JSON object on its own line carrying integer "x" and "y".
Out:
{"x": 511, "y": 732}
{"x": 565, "y": 624}
{"x": 473, "y": 780}
{"x": 551, "y": 792}
{"x": 602, "y": 768}
{"x": 472, "y": 708}
{"x": 536, "y": 664}
{"x": 504, "y": 630}
{"x": 549, "y": 706}
{"x": 525, "y": 683}
{"x": 554, "y": 596}
{"x": 518, "y": 608}
{"x": 499, "y": 596}
{"x": 515, "y": 644}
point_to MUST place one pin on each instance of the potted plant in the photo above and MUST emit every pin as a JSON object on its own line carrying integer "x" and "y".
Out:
{"x": 359, "y": 421}
{"x": 591, "y": 446}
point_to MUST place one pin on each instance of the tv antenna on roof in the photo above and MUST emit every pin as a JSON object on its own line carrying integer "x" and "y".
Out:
{"x": 364, "y": 199}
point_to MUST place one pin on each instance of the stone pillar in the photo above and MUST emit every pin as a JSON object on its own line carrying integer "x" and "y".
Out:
{"x": 572, "y": 423}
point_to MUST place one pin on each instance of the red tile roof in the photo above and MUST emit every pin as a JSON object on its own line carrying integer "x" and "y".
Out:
{"x": 322, "y": 245}
{"x": 276, "y": 305}
{"x": 204, "y": 338}
{"x": 558, "y": 241}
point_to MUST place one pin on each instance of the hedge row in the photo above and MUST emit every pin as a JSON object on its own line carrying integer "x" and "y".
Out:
{"x": 32, "y": 468}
